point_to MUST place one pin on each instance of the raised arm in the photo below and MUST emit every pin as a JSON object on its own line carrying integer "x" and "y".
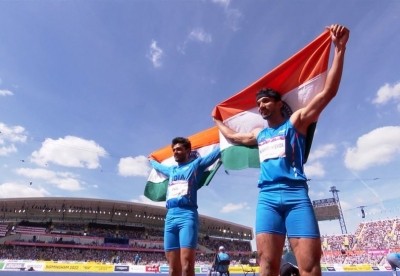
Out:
{"x": 309, "y": 114}
{"x": 210, "y": 159}
{"x": 159, "y": 167}
{"x": 248, "y": 139}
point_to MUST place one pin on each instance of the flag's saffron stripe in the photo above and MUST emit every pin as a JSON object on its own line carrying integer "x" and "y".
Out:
{"x": 201, "y": 139}
{"x": 306, "y": 64}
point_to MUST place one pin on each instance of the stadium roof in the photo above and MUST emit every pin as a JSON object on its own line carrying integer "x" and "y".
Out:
{"x": 85, "y": 210}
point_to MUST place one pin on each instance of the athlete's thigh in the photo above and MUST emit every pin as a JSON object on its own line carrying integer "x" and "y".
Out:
{"x": 269, "y": 248}
{"x": 300, "y": 216}
{"x": 171, "y": 235}
{"x": 269, "y": 218}
{"x": 188, "y": 230}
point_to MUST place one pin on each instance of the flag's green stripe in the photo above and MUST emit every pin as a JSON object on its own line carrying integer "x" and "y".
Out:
{"x": 208, "y": 175}
{"x": 240, "y": 157}
{"x": 158, "y": 191}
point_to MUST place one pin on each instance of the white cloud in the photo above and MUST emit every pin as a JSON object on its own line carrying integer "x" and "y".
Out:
{"x": 232, "y": 15}
{"x": 69, "y": 152}
{"x": 9, "y": 190}
{"x": 12, "y": 134}
{"x": 145, "y": 200}
{"x": 388, "y": 93}
{"x": 224, "y": 3}
{"x": 315, "y": 169}
{"x": 134, "y": 166}
{"x": 321, "y": 152}
{"x": 315, "y": 194}
{"x": 62, "y": 180}
{"x": 6, "y": 150}
{"x": 5, "y": 92}
{"x": 155, "y": 54}
{"x": 196, "y": 35}
{"x": 9, "y": 135}
{"x": 377, "y": 147}
{"x": 200, "y": 35}
{"x": 231, "y": 207}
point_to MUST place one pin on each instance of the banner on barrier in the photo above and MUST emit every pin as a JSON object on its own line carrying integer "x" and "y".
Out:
{"x": 152, "y": 268}
{"x": 78, "y": 267}
{"x": 357, "y": 268}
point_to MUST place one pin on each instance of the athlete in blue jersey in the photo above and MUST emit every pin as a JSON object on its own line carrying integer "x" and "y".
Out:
{"x": 284, "y": 207}
{"x": 181, "y": 222}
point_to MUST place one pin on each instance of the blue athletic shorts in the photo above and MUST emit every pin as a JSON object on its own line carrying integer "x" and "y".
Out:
{"x": 286, "y": 209}
{"x": 181, "y": 229}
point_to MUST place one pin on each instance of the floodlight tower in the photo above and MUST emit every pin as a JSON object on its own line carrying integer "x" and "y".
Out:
{"x": 341, "y": 218}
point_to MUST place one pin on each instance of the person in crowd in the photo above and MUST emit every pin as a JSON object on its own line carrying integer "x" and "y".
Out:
{"x": 137, "y": 259}
{"x": 222, "y": 261}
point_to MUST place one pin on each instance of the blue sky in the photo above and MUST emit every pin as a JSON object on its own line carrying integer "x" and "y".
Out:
{"x": 89, "y": 88}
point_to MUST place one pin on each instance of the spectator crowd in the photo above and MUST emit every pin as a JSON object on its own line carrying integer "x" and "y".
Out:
{"x": 370, "y": 244}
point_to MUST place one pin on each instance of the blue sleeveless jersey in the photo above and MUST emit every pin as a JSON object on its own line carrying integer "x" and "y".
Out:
{"x": 281, "y": 154}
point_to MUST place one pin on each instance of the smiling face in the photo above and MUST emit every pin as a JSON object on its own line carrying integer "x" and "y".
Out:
{"x": 269, "y": 107}
{"x": 181, "y": 153}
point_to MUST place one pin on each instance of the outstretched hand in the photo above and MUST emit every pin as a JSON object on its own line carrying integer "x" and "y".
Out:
{"x": 340, "y": 35}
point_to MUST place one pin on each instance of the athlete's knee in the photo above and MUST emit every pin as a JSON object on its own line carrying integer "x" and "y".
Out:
{"x": 313, "y": 267}
{"x": 175, "y": 270}
{"x": 268, "y": 266}
{"x": 188, "y": 268}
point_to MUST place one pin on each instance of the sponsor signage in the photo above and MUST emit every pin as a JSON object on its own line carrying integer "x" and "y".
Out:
{"x": 164, "y": 269}
{"x": 137, "y": 268}
{"x": 14, "y": 266}
{"x": 78, "y": 267}
{"x": 388, "y": 267}
{"x": 121, "y": 268}
{"x": 152, "y": 268}
{"x": 357, "y": 268}
{"x": 330, "y": 268}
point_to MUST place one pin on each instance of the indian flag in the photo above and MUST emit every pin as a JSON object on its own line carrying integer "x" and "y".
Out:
{"x": 203, "y": 143}
{"x": 298, "y": 79}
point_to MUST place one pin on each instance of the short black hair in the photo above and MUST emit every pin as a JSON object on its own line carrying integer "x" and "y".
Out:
{"x": 182, "y": 140}
{"x": 268, "y": 92}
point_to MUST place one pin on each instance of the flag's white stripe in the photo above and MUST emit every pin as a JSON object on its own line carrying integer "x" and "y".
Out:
{"x": 250, "y": 119}
{"x": 302, "y": 95}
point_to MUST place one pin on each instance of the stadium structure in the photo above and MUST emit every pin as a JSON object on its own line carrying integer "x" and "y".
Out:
{"x": 105, "y": 231}
{"x": 99, "y": 235}
{"x": 87, "y": 210}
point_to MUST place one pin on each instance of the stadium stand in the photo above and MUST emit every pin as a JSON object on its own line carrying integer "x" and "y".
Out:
{"x": 108, "y": 231}
{"x": 65, "y": 229}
